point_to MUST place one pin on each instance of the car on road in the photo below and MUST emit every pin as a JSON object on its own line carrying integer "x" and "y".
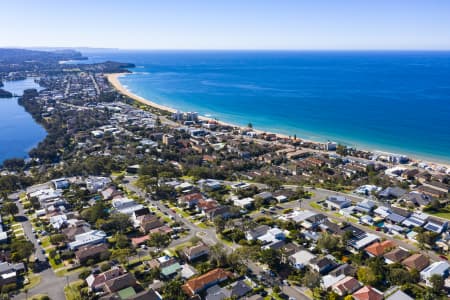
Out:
{"x": 38, "y": 241}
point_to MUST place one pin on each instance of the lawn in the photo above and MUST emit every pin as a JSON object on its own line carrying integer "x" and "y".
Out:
{"x": 443, "y": 213}
{"x": 34, "y": 280}
{"x": 316, "y": 206}
{"x": 72, "y": 291}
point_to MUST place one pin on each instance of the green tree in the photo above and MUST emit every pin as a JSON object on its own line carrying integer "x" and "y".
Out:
{"x": 311, "y": 279}
{"x": 158, "y": 240}
{"x": 172, "y": 290}
{"x": 366, "y": 276}
{"x": 10, "y": 208}
{"x": 58, "y": 238}
{"x": 21, "y": 250}
{"x": 271, "y": 257}
{"x": 437, "y": 283}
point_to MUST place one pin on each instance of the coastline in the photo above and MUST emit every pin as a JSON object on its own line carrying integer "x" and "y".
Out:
{"x": 113, "y": 78}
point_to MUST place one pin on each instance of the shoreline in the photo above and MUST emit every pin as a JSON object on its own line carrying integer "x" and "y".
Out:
{"x": 113, "y": 79}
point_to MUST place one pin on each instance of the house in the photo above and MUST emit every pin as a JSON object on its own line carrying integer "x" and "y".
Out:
{"x": 440, "y": 268}
{"x": 415, "y": 220}
{"x": 205, "y": 206}
{"x": 301, "y": 259}
{"x": 395, "y": 218}
{"x": 399, "y": 295}
{"x": 96, "y": 282}
{"x": 91, "y": 252}
{"x": 416, "y": 261}
{"x": 281, "y": 198}
{"x": 171, "y": 270}
{"x": 255, "y": 233}
{"x": 348, "y": 285}
{"x": 368, "y": 293}
{"x": 9, "y": 272}
{"x": 222, "y": 210}
{"x": 118, "y": 283}
{"x": 198, "y": 284}
{"x": 345, "y": 269}
{"x": 361, "y": 241}
{"x": 396, "y": 256}
{"x": 417, "y": 198}
{"x": 209, "y": 184}
{"x": 391, "y": 193}
{"x": 330, "y": 280}
{"x": 92, "y": 237}
{"x": 58, "y": 221}
{"x": 244, "y": 203}
{"x": 382, "y": 211}
{"x": 61, "y": 183}
{"x": 94, "y": 184}
{"x": 314, "y": 221}
{"x": 322, "y": 265}
{"x": 125, "y": 205}
{"x": 139, "y": 213}
{"x": 196, "y": 251}
{"x": 76, "y": 228}
{"x": 365, "y": 206}
{"x": 190, "y": 200}
{"x": 338, "y": 202}
{"x": 265, "y": 196}
{"x": 272, "y": 235}
{"x": 379, "y": 248}
{"x": 436, "y": 225}
{"x": 110, "y": 193}
{"x": 149, "y": 222}
{"x": 235, "y": 290}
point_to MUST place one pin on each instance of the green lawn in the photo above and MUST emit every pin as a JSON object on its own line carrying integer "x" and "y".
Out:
{"x": 34, "y": 280}
{"x": 72, "y": 291}
{"x": 316, "y": 206}
{"x": 443, "y": 213}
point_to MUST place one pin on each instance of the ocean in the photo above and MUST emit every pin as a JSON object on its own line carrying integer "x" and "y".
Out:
{"x": 19, "y": 133}
{"x": 391, "y": 101}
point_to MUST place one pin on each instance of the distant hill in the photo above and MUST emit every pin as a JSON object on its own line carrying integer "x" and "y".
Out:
{"x": 18, "y": 56}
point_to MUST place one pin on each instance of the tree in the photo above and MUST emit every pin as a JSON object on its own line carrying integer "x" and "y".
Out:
{"x": 10, "y": 208}
{"x": 172, "y": 290}
{"x": 58, "y": 238}
{"x": 271, "y": 257}
{"x": 217, "y": 255}
{"x": 21, "y": 249}
{"x": 399, "y": 276}
{"x": 311, "y": 279}
{"x": 367, "y": 276}
{"x": 328, "y": 242}
{"x": 250, "y": 125}
{"x": 158, "y": 240}
{"x": 121, "y": 241}
{"x": 220, "y": 223}
{"x": 437, "y": 283}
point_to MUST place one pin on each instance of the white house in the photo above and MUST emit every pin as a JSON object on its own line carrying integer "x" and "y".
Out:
{"x": 301, "y": 258}
{"x": 437, "y": 268}
{"x": 244, "y": 203}
{"x": 92, "y": 237}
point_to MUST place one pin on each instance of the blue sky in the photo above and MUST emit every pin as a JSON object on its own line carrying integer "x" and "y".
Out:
{"x": 227, "y": 24}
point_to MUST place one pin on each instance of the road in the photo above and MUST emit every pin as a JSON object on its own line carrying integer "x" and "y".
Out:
{"x": 50, "y": 284}
{"x": 322, "y": 194}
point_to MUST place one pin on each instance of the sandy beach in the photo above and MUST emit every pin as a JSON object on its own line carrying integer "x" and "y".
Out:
{"x": 114, "y": 80}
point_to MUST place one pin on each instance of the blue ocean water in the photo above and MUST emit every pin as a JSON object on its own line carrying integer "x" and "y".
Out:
{"x": 19, "y": 133}
{"x": 391, "y": 101}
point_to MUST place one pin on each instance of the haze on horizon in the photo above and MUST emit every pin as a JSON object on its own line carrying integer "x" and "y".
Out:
{"x": 231, "y": 24}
